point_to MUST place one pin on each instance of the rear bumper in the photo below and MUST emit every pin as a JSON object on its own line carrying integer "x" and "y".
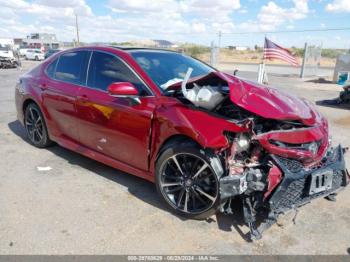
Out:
{"x": 294, "y": 189}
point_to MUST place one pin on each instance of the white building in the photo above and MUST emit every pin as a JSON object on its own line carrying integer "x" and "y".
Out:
{"x": 41, "y": 40}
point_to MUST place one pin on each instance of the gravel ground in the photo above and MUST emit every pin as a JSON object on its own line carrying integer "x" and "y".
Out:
{"x": 83, "y": 207}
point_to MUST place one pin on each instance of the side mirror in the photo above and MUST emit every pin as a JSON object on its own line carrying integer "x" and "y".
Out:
{"x": 122, "y": 89}
{"x": 126, "y": 90}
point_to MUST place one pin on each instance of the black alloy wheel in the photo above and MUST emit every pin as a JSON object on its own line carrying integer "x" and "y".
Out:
{"x": 35, "y": 126}
{"x": 188, "y": 183}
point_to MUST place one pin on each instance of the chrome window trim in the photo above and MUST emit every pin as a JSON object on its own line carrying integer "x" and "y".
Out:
{"x": 88, "y": 69}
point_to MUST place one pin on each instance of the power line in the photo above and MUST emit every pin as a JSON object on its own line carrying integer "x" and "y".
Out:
{"x": 265, "y": 32}
{"x": 290, "y": 31}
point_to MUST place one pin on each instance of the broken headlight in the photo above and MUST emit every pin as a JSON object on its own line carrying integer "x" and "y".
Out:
{"x": 311, "y": 147}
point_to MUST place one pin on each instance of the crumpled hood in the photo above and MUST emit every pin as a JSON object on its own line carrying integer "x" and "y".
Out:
{"x": 271, "y": 103}
{"x": 262, "y": 100}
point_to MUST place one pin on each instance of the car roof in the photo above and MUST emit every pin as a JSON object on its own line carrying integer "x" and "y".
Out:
{"x": 123, "y": 49}
{"x": 143, "y": 49}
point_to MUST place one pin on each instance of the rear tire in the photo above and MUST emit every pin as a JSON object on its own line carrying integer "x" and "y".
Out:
{"x": 35, "y": 126}
{"x": 186, "y": 181}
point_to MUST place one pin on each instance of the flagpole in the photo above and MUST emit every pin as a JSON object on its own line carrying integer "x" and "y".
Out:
{"x": 261, "y": 73}
{"x": 263, "y": 56}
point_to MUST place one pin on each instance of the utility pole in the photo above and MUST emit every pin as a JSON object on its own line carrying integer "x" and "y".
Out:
{"x": 77, "y": 29}
{"x": 219, "y": 39}
{"x": 302, "y": 70}
{"x": 218, "y": 50}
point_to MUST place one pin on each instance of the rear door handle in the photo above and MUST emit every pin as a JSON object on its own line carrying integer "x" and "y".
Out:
{"x": 43, "y": 86}
{"x": 83, "y": 98}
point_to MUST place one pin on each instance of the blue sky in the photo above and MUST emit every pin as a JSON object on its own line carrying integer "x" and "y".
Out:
{"x": 197, "y": 21}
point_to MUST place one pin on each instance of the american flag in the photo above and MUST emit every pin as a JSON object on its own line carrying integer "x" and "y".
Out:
{"x": 274, "y": 51}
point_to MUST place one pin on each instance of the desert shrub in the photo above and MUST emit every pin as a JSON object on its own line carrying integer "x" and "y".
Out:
{"x": 195, "y": 50}
{"x": 332, "y": 53}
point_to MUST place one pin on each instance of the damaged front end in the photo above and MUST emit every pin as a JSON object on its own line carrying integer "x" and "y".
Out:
{"x": 284, "y": 161}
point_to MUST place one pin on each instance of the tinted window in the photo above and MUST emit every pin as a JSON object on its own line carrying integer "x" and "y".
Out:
{"x": 50, "y": 70}
{"x": 166, "y": 68}
{"x": 106, "y": 69}
{"x": 71, "y": 67}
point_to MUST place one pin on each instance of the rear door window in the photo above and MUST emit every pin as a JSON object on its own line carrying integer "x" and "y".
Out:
{"x": 106, "y": 69}
{"x": 72, "y": 67}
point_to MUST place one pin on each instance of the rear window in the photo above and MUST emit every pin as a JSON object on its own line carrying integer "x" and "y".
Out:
{"x": 50, "y": 70}
{"x": 72, "y": 66}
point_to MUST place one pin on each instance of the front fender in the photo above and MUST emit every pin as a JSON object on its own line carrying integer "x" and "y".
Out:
{"x": 198, "y": 125}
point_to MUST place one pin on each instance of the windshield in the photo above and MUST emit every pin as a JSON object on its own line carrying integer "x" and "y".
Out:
{"x": 166, "y": 68}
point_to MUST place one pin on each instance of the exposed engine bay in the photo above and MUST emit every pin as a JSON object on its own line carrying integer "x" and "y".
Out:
{"x": 278, "y": 163}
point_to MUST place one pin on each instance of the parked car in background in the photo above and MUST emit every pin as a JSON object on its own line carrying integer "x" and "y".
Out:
{"x": 34, "y": 54}
{"x": 8, "y": 58}
{"x": 50, "y": 52}
{"x": 23, "y": 51}
{"x": 204, "y": 137}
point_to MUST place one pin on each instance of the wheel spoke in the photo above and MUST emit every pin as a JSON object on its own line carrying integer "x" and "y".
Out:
{"x": 188, "y": 183}
{"x": 31, "y": 113}
{"x": 31, "y": 134}
{"x": 199, "y": 197}
{"x": 39, "y": 134}
{"x": 171, "y": 184}
{"x": 38, "y": 120}
{"x": 193, "y": 201}
{"x": 205, "y": 194}
{"x": 181, "y": 195}
{"x": 200, "y": 171}
{"x": 186, "y": 202}
{"x": 36, "y": 136}
{"x": 177, "y": 164}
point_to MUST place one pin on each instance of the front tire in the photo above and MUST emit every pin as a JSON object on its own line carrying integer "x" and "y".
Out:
{"x": 35, "y": 126}
{"x": 187, "y": 182}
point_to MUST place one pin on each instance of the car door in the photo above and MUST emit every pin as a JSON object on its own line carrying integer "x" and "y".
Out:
{"x": 60, "y": 88}
{"x": 116, "y": 127}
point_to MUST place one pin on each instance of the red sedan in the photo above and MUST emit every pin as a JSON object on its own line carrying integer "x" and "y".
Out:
{"x": 204, "y": 137}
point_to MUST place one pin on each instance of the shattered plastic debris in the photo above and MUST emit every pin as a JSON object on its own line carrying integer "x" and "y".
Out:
{"x": 43, "y": 168}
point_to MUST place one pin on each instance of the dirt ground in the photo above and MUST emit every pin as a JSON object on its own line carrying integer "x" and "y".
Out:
{"x": 80, "y": 206}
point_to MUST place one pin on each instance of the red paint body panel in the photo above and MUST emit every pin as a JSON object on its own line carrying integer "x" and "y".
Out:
{"x": 270, "y": 103}
{"x": 114, "y": 127}
{"x": 306, "y": 135}
{"x": 274, "y": 178}
{"x": 122, "y": 89}
{"x": 262, "y": 100}
{"x": 129, "y": 136}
